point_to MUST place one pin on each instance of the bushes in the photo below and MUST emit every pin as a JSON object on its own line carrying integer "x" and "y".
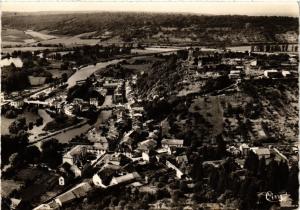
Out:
{"x": 18, "y": 125}
{"x": 10, "y": 114}
{"x": 39, "y": 121}
{"x": 61, "y": 122}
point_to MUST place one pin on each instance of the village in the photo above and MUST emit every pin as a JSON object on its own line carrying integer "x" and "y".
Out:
{"x": 169, "y": 162}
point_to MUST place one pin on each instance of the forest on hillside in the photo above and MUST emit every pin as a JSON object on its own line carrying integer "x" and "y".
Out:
{"x": 141, "y": 26}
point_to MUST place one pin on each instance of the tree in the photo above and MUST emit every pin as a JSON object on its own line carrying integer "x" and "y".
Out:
{"x": 261, "y": 171}
{"x": 5, "y": 203}
{"x": 176, "y": 195}
{"x": 30, "y": 126}
{"x": 221, "y": 150}
{"x": 64, "y": 77}
{"x": 24, "y": 205}
{"x": 64, "y": 65}
{"x": 244, "y": 188}
{"x": 213, "y": 178}
{"x": 183, "y": 54}
{"x": 197, "y": 169}
{"x": 251, "y": 196}
{"x": 283, "y": 174}
{"x": 18, "y": 125}
{"x": 113, "y": 201}
{"x": 273, "y": 179}
{"x": 293, "y": 182}
{"x": 11, "y": 114}
{"x": 183, "y": 187}
{"x": 122, "y": 203}
{"x": 221, "y": 182}
{"x": 32, "y": 154}
{"x": 251, "y": 162}
{"x": 39, "y": 121}
{"x": 12, "y": 144}
{"x": 50, "y": 153}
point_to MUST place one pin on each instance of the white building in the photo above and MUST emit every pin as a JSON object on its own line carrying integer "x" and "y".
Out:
{"x": 18, "y": 103}
{"x": 234, "y": 74}
{"x": 261, "y": 152}
{"x": 168, "y": 143}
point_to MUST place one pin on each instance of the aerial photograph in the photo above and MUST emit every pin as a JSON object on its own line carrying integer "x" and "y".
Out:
{"x": 150, "y": 105}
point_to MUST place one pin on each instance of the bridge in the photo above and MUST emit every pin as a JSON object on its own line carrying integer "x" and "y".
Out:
{"x": 271, "y": 47}
{"x": 106, "y": 107}
{"x": 40, "y": 103}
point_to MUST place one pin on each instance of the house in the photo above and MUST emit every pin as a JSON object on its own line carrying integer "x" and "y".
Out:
{"x": 261, "y": 152}
{"x": 68, "y": 109}
{"x": 244, "y": 148}
{"x": 81, "y": 155}
{"x": 145, "y": 156}
{"x": 179, "y": 173}
{"x": 103, "y": 177}
{"x": 14, "y": 203}
{"x": 35, "y": 81}
{"x": 233, "y": 150}
{"x": 94, "y": 101}
{"x": 138, "y": 109}
{"x": 107, "y": 178}
{"x": 286, "y": 73}
{"x": 80, "y": 150}
{"x": 168, "y": 143}
{"x": 102, "y": 145}
{"x": 48, "y": 206}
{"x": 148, "y": 189}
{"x": 212, "y": 206}
{"x": 61, "y": 181}
{"x": 279, "y": 156}
{"x": 147, "y": 145}
{"x": 182, "y": 159}
{"x": 78, "y": 191}
{"x": 17, "y": 103}
{"x": 213, "y": 163}
{"x": 125, "y": 178}
{"x": 234, "y": 74}
{"x": 118, "y": 96}
{"x": 161, "y": 204}
{"x": 272, "y": 74}
{"x": 253, "y": 62}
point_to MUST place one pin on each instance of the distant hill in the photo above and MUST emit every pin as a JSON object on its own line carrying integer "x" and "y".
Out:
{"x": 160, "y": 28}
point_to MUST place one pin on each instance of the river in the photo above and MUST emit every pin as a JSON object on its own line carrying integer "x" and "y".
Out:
{"x": 66, "y": 136}
{"x": 87, "y": 71}
{"x": 38, "y": 130}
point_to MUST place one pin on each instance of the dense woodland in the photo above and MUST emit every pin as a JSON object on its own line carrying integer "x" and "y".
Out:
{"x": 142, "y": 25}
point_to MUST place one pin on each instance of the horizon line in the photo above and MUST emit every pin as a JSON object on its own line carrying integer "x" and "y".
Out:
{"x": 149, "y": 12}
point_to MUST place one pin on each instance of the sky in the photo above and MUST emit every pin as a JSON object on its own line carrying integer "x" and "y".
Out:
{"x": 215, "y": 7}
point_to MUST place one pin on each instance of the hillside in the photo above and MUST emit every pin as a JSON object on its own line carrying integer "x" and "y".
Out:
{"x": 159, "y": 28}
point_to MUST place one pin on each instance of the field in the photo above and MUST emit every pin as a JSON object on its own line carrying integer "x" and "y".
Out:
{"x": 11, "y": 49}
{"x": 71, "y": 41}
{"x": 39, "y": 35}
{"x": 14, "y": 35}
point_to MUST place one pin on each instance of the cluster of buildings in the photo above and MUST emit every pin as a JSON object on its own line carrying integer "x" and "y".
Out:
{"x": 212, "y": 64}
{"x": 127, "y": 149}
